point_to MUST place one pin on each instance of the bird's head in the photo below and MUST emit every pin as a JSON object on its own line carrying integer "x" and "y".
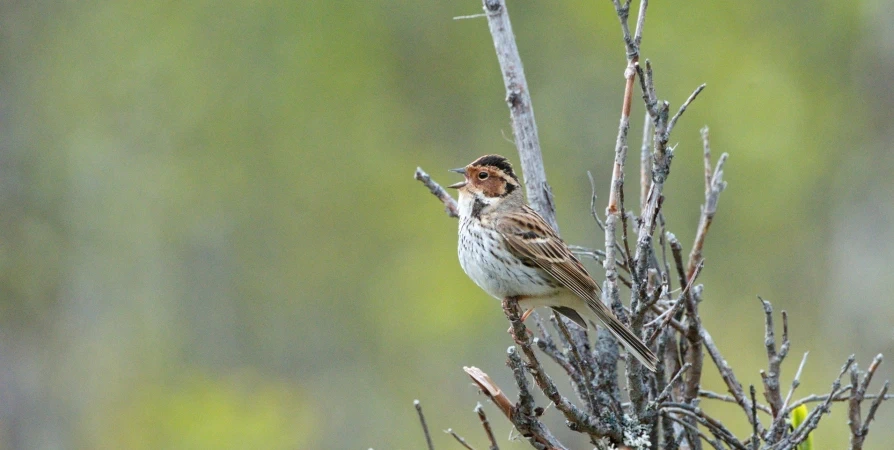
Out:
{"x": 489, "y": 180}
{"x": 488, "y": 176}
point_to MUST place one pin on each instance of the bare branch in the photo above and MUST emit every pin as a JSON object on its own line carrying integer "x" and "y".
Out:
{"x": 458, "y": 438}
{"x": 858, "y": 428}
{"x": 812, "y": 421}
{"x": 838, "y": 397}
{"x": 666, "y": 316}
{"x": 873, "y": 407}
{"x": 795, "y": 382}
{"x": 529, "y": 426}
{"x": 771, "y": 378}
{"x": 667, "y": 389}
{"x": 518, "y": 98}
{"x": 577, "y": 419}
{"x": 715, "y": 186}
{"x": 714, "y": 442}
{"x": 713, "y": 425}
{"x": 490, "y": 389}
{"x": 486, "y": 425}
{"x": 450, "y": 206}
{"x": 645, "y": 162}
{"x": 525, "y": 404}
{"x": 706, "y": 149}
{"x": 673, "y": 121}
{"x": 729, "y": 399}
{"x": 424, "y": 425}
{"x": 755, "y": 433}
{"x": 726, "y": 372}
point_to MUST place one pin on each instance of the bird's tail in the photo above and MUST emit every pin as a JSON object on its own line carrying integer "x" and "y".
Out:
{"x": 631, "y": 342}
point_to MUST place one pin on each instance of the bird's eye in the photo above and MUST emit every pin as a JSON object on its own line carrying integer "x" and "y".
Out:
{"x": 482, "y": 175}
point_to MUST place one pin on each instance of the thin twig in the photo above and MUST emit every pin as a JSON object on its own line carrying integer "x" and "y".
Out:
{"x": 838, "y": 397}
{"x": 729, "y": 399}
{"x": 486, "y": 425}
{"x": 666, "y": 316}
{"x": 858, "y": 428}
{"x": 755, "y": 433}
{"x": 729, "y": 377}
{"x": 424, "y": 425}
{"x": 450, "y": 206}
{"x": 873, "y": 407}
{"x": 645, "y": 162}
{"x": 812, "y": 420}
{"x": 771, "y": 377}
{"x": 706, "y": 149}
{"x": 796, "y": 381}
{"x": 458, "y": 438}
{"x": 716, "y": 428}
{"x": 673, "y": 121}
{"x": 714, "y": 442}
{"x": 471, "y": 16}
{"x": 670, "y": 384}
{"x": 715, "y": 185}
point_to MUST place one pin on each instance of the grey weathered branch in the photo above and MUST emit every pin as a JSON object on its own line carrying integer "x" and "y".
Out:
{"x": 714, "y": 185}
{"x": 858, "y": 426}
{"x": 772, "y": 388}
{"x": 578, "y": 420}
{"x": 812, "y": 420}
{"x": 521, "y": 111}
{"x": 729, "y": 377}
{"x": 529, "y": 425}
{"x": 450, "y": 206}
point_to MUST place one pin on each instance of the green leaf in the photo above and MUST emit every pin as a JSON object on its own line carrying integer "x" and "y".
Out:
{"x": 799, "y": 415}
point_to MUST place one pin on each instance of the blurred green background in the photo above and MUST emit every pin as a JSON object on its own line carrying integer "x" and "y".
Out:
{"x": 211, "y": 237}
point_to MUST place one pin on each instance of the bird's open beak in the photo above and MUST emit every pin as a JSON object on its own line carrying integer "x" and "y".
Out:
{"x": 461, "y": 170}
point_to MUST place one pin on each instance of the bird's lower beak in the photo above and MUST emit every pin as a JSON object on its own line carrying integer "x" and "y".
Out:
{"x": 461, "y": 170}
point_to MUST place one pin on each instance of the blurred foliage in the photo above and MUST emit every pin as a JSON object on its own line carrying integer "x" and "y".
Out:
{"x": 211, "y": 237}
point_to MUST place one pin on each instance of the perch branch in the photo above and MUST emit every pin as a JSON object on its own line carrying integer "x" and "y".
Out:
{"x": 450, "y": 206}
{"x": 521, "y": 111}
{"x": 577, "y": 419}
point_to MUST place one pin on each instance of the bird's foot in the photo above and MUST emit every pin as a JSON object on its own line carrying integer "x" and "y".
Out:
{"x": 523, "y": 317}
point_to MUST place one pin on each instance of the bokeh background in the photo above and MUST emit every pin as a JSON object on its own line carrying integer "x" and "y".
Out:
{"x": 211, "y": 238}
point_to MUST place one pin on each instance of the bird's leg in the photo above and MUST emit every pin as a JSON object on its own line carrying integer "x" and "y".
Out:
{"x": 524, "y": 315}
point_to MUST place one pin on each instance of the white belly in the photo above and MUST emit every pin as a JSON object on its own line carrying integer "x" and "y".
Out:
{"x": 486, "y": 260}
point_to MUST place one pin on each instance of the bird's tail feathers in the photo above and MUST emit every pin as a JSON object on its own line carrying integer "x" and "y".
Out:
{"x": 631, "y": 342}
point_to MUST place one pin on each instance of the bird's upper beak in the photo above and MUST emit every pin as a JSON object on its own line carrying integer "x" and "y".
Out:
{"x": 461, "y": 170}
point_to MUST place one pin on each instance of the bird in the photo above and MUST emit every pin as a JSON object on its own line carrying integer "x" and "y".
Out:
{"x": 510, "y": 251}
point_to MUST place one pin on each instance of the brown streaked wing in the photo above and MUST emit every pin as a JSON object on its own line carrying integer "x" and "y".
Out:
{"x": 529, "y": 236}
